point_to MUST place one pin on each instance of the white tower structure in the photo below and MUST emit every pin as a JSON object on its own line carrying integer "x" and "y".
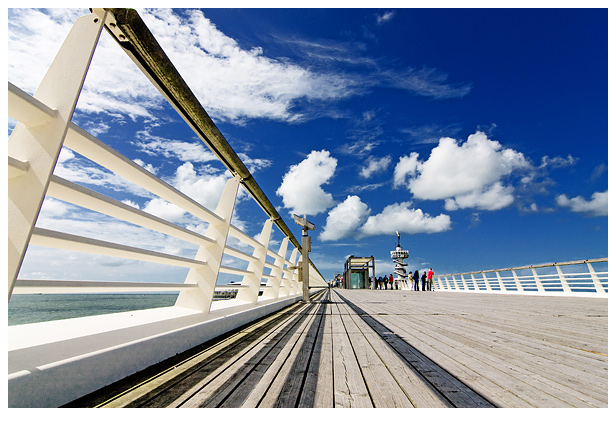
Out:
{"x": 398, "y": 256}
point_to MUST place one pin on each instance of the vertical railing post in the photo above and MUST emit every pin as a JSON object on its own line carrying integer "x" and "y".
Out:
{"x": 464, "y": 285}
{"x": 287, "y": 276}
{"x": 454, "y": 283}
{"x": 273, "y": 291}
{"x": 538, "y": 281}
{"x": 255, "y": 266}
{"x": 205, "y": 277}
{"x": 40, "y": 146}
{"x": 501, "y": 284}
{"x": 475, "y": 286}
{"x": 486, "y": 282}
{"x": 595, "y": 279}
{"x": 517, "y": 281}
{"x": 563, "y": 280}
{"x": 295, "y": 283}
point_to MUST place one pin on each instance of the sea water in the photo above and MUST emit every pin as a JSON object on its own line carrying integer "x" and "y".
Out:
{"x": 30, "y": 308}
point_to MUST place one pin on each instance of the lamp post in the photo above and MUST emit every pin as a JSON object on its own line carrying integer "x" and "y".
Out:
{"x": 306, "y": 225}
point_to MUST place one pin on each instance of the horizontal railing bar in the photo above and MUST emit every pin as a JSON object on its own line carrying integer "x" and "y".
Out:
{"x": 89, "y": 146}
{"x": 579, "y": 262}
{"x": 26, "y": 109}
{"x": 17, "y": 167}
{"x": 230, "y": 286}
{"x": 63, "y": 286}
{"x": 55, "y": 239}
{"x": 238, "y": 253}
{"x": 242, "y": 236}
{"x": 235, "y": 271}
{"x": 68, "y": 191}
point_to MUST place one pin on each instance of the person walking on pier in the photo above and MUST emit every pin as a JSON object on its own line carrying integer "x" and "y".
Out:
{"x": 416, "y": 279}
{"x": 430, "y": 275}
{"x": 423, "y": 281}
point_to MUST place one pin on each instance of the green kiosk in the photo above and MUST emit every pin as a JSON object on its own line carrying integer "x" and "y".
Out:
{"x": 357, "y": 272}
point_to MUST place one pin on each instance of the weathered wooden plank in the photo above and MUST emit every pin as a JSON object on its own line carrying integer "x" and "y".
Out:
{"x": 450, "y": 354}
{"x": 318, "y": 391}
{"x": 546, "y": 375}
{"x": 211, "y": 392}
{"x": 455, "y": 323}
{"x": 284, "y": 391}
{"x": 420, "y": 392}
{"x": 258, "y": 383}
{"x": 383, "y": 387}
{"x": 156, "y": 389}
{"x": 349, "y": 387}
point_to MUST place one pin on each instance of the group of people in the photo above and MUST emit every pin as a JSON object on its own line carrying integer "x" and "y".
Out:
{"x": 381, "y": 282}
{"x": 426, "y": 281}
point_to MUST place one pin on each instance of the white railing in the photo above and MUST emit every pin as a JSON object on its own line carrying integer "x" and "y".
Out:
{"x": 87, "y": 351}
{"x": 573, "y": 278}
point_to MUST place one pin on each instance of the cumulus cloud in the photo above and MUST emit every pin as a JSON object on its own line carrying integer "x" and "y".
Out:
{"x": 469, "y": 174}
{"x": 345, "y": 219}
{"x": 401, "y": 217}
{"x": 493, "y": 198}
{"x": 597, "y": 205}
{"x": 352, "y": 218}
{"x": 373, "y": 166}
{"x": 301, "y": 187}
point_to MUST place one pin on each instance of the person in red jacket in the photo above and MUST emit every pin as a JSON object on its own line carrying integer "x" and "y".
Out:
{"x": 430, "y": 275}
{"x": 391, "y": 281}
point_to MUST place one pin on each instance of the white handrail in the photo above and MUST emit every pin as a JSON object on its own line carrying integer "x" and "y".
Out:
{"x": 91, "y": 352}
{"x": 572, "y": 283}
{"x": 35, "y": 112}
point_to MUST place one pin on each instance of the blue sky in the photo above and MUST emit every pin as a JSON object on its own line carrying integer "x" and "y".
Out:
{"x": 481, "y": 135}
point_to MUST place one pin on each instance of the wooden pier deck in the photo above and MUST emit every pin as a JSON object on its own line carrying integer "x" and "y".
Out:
{"x": 391, "y": 349}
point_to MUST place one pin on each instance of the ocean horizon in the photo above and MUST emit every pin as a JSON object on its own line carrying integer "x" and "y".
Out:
{"x": 31, "y": 308}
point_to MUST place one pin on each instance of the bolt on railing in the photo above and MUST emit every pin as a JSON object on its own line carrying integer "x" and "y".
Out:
{"x": 44, "y": 128}
{"x": 550, "y": 280}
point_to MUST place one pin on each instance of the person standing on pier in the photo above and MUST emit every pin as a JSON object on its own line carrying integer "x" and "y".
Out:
{"x": 416, "y": 279}
{"x": 423, "y": 281}
{"x": 391, "y": 281}
{"x": 430, "y": 275}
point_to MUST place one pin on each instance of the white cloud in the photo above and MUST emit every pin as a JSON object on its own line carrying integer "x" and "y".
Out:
{"x": 493, "y": 198}
{"x": 52, "y": 207}
{"x": 468, "y": 173}
{"x": 597, "y": 206}
{"x": 558, "y": 161}
{"x": 233, "y": 83}
{"x": 182, "y": 150}
{"x": 407, "y": 165}
{"x": 385, "y": 17}
{"x": 374, "y": 165}
{"x": 400, "y": 217}
{"x": 345, "y": 219}
{"x": 205, "y": 187}
{"x": 301, "y": 187}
